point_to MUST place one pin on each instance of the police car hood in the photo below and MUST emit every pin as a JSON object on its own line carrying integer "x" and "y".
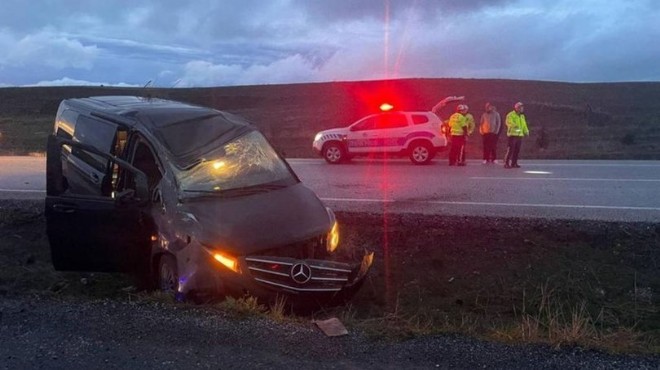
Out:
{"x": 336, "y": 131}
{"x": 247, "y": 224}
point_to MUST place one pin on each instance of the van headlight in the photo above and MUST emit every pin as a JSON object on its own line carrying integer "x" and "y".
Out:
{"x": 225, "y": 259}
{"x": 332, "y": 239}
{"x": 318, "y": 136}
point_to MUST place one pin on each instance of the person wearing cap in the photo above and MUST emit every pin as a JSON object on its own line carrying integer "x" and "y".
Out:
{"x": 458, "y": 127}
{"x": 490, "y": 126}
{"x": 516, "y": 125}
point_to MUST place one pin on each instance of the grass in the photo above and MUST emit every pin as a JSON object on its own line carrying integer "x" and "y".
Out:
{"x": 556, "y": 282}
{"x": 562, "y": 283}
{"x": 579, "y": 121}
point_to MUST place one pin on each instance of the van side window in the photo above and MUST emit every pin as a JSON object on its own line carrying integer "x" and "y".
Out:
{"x": 66, "y": 123}
{"x": 98, "y": 134}
{"x": 118, "y": 150}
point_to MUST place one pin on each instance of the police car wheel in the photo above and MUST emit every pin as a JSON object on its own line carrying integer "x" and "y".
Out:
{"x": 333, "y": 153}
{"x": 421, "y": 153}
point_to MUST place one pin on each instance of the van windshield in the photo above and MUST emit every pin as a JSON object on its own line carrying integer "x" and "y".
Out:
{"x": 245, "y": 163}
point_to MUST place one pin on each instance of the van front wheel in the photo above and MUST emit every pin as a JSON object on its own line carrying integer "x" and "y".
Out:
{"x": 168, "y": 277}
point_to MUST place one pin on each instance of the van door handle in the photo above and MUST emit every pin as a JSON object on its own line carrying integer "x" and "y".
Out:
{"x": 95, "y": 177}
{"x": 64, "y": 208}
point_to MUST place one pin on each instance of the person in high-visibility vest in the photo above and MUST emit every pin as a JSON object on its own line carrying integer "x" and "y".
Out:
{"x": 469, "y": 119}
{"x": 516, "y": 125}
{"x": 458, "y": 127}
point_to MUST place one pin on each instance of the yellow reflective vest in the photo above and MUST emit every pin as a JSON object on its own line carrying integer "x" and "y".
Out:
{"x": 516, "y": 125}
{"x": 457, "y": 124}
{"x": 470, "y": 123}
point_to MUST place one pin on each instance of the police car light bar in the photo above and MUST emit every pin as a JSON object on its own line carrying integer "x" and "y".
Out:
{"x": 386, "y": 107}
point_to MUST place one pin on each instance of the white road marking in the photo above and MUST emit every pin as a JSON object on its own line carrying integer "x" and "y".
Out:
{"x": 537, "y": 205}
{"x": 22, "y": 191}
{"x": 564, "y": 179}
{"x": 525, "y": 164}
{"x": 592, "y": 164}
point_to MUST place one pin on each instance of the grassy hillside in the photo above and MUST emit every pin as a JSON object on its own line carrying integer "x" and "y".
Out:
{"x": 567, "y": 120}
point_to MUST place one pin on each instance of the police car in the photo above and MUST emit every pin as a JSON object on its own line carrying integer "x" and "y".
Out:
{"x": 413, "y": 134}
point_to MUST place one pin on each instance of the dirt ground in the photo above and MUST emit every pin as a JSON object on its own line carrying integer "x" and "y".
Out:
{"x": 510, "y": 280}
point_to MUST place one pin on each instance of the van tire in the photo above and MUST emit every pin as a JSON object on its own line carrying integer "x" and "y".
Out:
{"x": 167, "y": 276}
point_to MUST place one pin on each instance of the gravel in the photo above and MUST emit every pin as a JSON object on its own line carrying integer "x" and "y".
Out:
{"x": 46, "y": 332}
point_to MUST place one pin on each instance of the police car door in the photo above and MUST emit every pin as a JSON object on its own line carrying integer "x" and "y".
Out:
{"x": 393, "y": 132}
{"x": 89, "y": 230}
{"x": 363, "y": 135}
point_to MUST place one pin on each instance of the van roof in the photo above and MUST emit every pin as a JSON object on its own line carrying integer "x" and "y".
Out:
{"x": 162, "y": 112}
{"x": 185, "y": 129}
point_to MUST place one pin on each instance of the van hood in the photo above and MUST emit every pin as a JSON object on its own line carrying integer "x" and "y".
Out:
{"x": 248, "y": 224}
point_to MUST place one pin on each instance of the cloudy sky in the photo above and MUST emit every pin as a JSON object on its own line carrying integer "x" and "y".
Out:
{"x": 249, "y": 42}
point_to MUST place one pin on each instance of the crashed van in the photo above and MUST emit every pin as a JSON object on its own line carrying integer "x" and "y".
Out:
{"x": 193, "y": 198}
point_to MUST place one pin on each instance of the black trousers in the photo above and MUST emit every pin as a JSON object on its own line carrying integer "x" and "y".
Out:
{"x": 490, "y": 147}
{"x": 513, "y": 150}
{"x": 456, "y": 149}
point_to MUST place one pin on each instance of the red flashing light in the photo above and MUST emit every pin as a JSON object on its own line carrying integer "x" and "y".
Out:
{"x": 386, "y": 107}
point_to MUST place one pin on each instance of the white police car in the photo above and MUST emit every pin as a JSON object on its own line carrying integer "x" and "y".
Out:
{"x": 415, "y": 134}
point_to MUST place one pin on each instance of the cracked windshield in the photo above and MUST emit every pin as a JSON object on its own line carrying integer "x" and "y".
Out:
{"x": 247, "y": 161}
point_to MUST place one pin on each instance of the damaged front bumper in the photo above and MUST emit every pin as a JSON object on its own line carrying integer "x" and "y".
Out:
{"x": 271, "y": 276}
{"x": 300, "y": 276}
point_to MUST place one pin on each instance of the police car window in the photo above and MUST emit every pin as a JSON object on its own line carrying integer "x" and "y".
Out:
{"x": 420, "y": 119}
{"x": 368, "y": 123}
{"x": 392, "y": 120}
{"x": 97, "y": 133}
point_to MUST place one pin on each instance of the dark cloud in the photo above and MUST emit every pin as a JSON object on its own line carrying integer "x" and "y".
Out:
{"x": 345, "y": 11}
{"x": 254, "y": 41}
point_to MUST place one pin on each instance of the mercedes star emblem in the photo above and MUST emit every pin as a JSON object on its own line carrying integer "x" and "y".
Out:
{"x": 301, "y": 273}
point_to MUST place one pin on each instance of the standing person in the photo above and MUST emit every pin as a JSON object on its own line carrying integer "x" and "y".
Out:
{"x": 489, "y": 128}
{"x": 458, "y": 130}
{"x": 469, "y": 119}
{"x": 516, "y": 125}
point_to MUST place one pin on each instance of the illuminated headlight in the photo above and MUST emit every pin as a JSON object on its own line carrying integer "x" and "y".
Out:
{"x": 225, "y": 259}
{"x": 333, "y": 238}
{"x": 318, "y": 136}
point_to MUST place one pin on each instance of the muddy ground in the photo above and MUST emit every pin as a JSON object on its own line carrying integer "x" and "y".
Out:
{"x": 563, "y": 283}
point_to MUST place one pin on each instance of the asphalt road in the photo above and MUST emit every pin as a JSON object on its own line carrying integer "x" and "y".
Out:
{"x": 596, "y": 190}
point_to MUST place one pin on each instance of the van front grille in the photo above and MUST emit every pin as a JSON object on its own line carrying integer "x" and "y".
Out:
{"x": 297, "y": 275}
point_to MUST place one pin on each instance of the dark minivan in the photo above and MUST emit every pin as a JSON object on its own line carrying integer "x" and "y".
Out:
{"x": 194, "y": 198}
